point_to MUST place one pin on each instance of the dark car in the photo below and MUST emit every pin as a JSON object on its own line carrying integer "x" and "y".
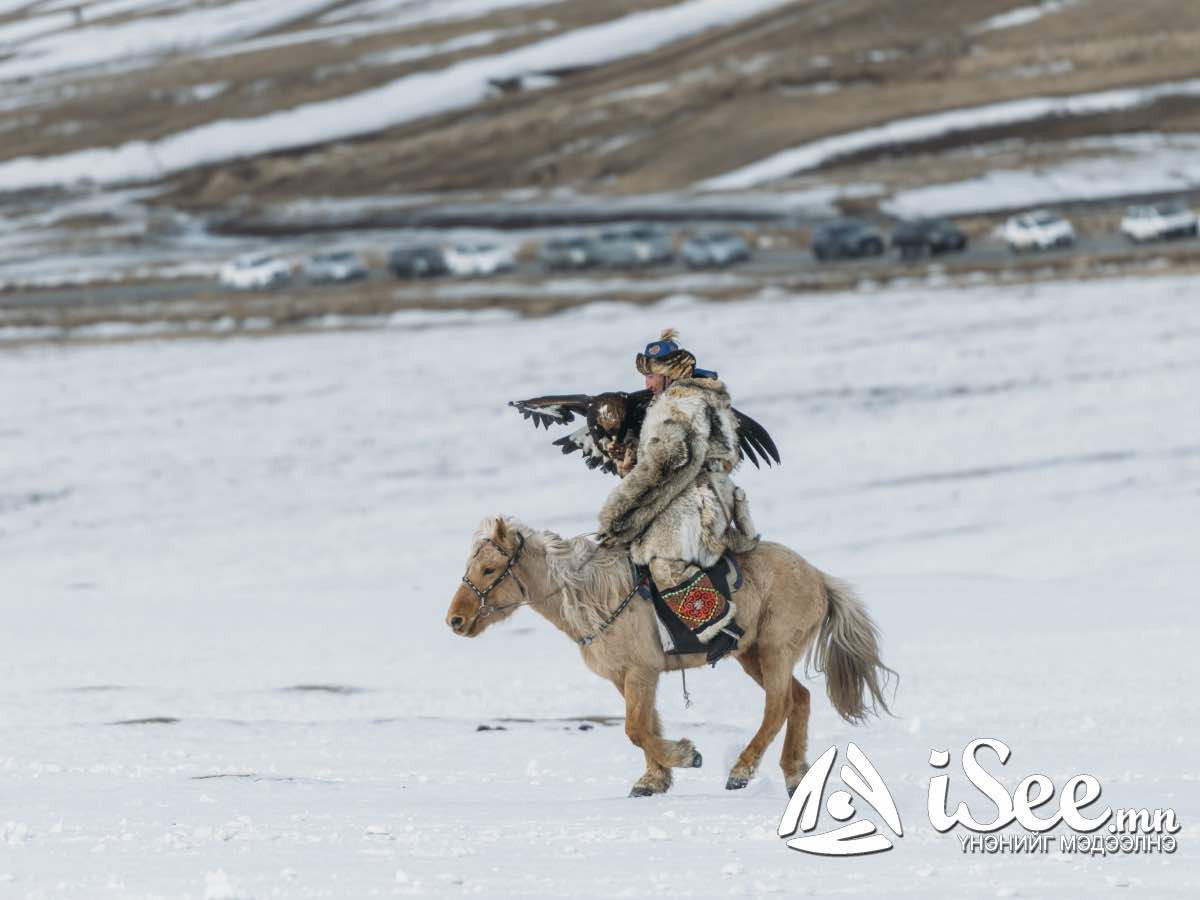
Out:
{"x": 921, "y": 236}
{"x": 422, "y": 261}
{"x": 846, "y": 238}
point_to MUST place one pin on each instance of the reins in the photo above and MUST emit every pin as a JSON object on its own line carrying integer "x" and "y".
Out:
{"x": 607, "y": 623}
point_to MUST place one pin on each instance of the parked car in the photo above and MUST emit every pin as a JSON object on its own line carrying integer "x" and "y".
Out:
{"x": 634, "y": 247}
{"x": 254, "y": 271}
{"x": 479, "y": 259}
{"x": 421, "y": 261}
{"x": 342, "y": 265}
{"x": 1038, "y": 230}
{"x": 656, "y": 243}
{"x": 618, "y": 250}
{"x": 717, "y": 248}
{"x": 921, "y": 236}
{"x": 568, "y": 253}
{"x": 1157, "y": 221}
{"x": 846, "y": 238}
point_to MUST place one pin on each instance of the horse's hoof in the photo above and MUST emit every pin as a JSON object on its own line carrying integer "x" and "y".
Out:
{"x": 640, "y": 790}
{"x": 790, "y": 784}
{"x": 736, "y": 783}
{"x": 697, "y": 759}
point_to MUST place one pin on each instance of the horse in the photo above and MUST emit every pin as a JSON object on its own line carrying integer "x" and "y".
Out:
{"x": 587, "y": 590}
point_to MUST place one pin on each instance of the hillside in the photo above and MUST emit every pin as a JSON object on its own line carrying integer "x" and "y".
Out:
{"x": 318, "y": 98}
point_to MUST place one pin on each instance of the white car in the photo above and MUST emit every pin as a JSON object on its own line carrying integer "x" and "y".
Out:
{"x": 255, "y": 270}
{"x": 1160, "y": 220}
{"x": 479, "y": 259}
{"x": 1038, "y": 230}
{"x": 338, "y": 266}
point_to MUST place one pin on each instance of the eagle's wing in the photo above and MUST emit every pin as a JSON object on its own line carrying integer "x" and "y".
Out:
{"x": 593, "y": 455}
{"x": 557, "y": 409}
{"x": 606, "y": 415}
{"x": 753, "y": 437}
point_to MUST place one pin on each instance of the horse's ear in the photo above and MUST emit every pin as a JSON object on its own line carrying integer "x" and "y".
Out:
{"x": 500, "y": 531}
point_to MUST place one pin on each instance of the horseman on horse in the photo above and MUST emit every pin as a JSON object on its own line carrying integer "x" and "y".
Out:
{"x": 675, "y": 445}
{"x": 677, "y": 507}
{"x": 678, "y": 518}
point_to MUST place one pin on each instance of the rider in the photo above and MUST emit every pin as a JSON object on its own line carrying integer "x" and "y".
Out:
{"x": 677, "y": 508}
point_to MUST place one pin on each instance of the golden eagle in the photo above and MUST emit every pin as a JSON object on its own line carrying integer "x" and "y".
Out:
{"x": 614, "y": 423}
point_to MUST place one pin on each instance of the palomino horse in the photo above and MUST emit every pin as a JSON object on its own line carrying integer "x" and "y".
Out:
{"x": 586, "y": 590}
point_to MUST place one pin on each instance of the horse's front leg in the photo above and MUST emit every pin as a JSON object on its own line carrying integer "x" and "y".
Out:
{"x": 644, "y": 730}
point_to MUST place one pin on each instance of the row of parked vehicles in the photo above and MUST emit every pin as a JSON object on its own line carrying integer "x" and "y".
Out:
{"x": 264, "y": 270}
{"x": 853, "y": 238}
{"x": 624, "y": 247}
{"x": 1043, "y": 229}
{"x": 1040, "y": 229}
{"x": 640, "y": 246}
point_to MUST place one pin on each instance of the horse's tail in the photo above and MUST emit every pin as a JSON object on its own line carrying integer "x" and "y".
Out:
{"x": 847, "y": 651}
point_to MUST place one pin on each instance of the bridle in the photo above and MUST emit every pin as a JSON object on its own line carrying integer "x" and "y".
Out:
{"x": 482, "y": 594}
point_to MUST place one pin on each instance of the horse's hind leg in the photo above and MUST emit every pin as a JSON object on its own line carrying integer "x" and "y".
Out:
{"x": 794, "y": 758}
{"x": 772, "y": 670}
{"x": 644, "y": 730}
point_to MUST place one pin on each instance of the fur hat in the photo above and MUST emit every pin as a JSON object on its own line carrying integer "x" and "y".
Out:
{"x": 665, "y": 357}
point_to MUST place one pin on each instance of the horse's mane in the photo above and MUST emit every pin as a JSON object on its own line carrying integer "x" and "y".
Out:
{"x": 591, "y": 578}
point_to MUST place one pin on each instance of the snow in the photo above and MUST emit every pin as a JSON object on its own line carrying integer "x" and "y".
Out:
{"x": 1135, "y": 164}
{"x": 1022, "y": 15}
{"x": 638, "y": 92}
{"x": 151, "y": 37}
{"x": 916, "y": 129}
{"x": 12, "y": 6}
{"x": 104, "y": 9}
{"x": 395, "y": 56}
{"x": 407, "y": 13}
{"x": 249, "y": 545}
{"x": 403, "y": 100}
{"x": 13, "y": 33}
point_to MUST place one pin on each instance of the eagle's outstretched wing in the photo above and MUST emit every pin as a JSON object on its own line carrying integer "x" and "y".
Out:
{"x": 614, "y": 421}
{"x": 557, "y": 409}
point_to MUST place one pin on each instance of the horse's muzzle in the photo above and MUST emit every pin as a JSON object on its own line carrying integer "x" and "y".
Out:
{"x": 460, "y": 625}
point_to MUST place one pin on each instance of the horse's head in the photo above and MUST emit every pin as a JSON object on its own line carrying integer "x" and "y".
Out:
{"x": 492, "y": 589}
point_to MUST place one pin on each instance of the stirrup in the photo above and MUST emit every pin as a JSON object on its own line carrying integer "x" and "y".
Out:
{"x": 724, "y": 643}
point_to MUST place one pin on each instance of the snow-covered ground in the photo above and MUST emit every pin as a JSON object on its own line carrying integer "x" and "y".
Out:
{"x": 141, "y": 40}
{"x": 245, "y": 549}
{"x": 1022, "y": 15}
{"x": 1124, "y": 166}
{"x": 916, "y": 129}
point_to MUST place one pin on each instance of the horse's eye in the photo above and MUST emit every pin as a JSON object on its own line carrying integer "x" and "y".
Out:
{"x": 488, "y": 571}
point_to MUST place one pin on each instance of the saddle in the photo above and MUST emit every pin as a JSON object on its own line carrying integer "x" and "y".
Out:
{"x": 691, "y": 614}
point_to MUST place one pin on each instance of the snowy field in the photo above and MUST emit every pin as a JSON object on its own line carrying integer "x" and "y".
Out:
{"x": 224, "y": 567}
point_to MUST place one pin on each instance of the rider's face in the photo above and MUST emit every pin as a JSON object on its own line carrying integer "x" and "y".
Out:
{"x": 656, "y": 384}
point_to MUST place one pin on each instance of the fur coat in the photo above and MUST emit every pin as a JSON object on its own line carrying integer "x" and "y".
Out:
{"x": 678, "y": 502}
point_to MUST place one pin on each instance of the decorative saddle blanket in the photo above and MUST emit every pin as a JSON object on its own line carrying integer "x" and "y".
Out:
{"x": 693, "y": 613}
